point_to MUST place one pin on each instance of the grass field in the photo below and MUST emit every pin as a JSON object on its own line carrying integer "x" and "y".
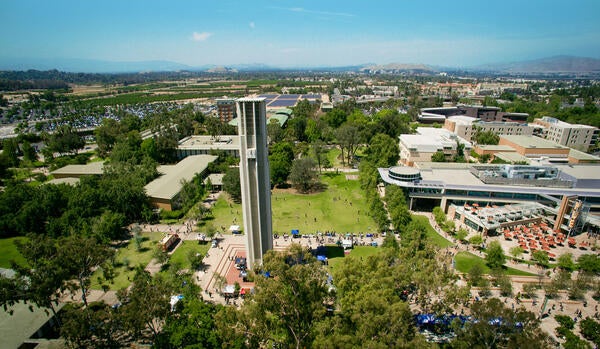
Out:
{"x": 466, "y": 260}
{"x": 8, "y": 252}
{"x": 225, "y": 213}
{"x": 341, "y": 207}
{"x": 180, "y": 254}
{"x": 126, "y": 259}
{"x": 335, "y": 254}
{"x": 436, "y": 238}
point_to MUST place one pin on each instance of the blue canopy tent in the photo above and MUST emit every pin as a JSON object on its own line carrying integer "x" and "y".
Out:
{"x": 295, "y": 233}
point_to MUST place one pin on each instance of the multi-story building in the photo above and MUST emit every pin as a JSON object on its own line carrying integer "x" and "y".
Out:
{"x": 466, "y": 127}
{"x": 580, "y": 137}
{"x": 428, "y": 141}
{"x": 226, "y": 110}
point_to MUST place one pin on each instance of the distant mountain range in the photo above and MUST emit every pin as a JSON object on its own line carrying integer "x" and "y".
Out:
{"x": 556, "y": 64}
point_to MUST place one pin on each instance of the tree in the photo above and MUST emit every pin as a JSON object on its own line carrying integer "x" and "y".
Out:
{"x": 194, "y": 327}
{"x": 438, "y": 156}
{"x": 486, "y": 333}
{"x": 383, "y": 151}
{"x": 319, "y": 152}
{"x": 540, "y": 257}
{"x": 397, "y": 207}
{"x": 93, "y": 326}
{"x": 348, "y": 138}
{"x": 10, "y": 152}
{"x": 280, "y": 162}
{"x": 476, "y": 240}
{"x": 65, "y": 140}
{"x": 231, "y": 183}
{"x": 146, "y": 304}
{"x": 590, "y": 329}
{"x": 495, "y": 255}
{"x": 28, "y": 151}
{"x": 461, "y": 234}
{"x": 335, "y": 118}
{"x": 516, "y": 251}
{"x": 284, "y": 307}
{"x": 82, "y": 255}
{"x": 565, "y": 262}
{"x": 106, "y": 135}
{"x": 589, "y": 263}
{"x": 40, "y": 280}
{"x": 485, "y": 137}
{"x": 274, "y": 131}
{"x": 303, "y": 175}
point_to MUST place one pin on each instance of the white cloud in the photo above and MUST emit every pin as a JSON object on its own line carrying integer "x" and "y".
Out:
{"x": 251, "y": 24}
{"x": 201, "y": 36}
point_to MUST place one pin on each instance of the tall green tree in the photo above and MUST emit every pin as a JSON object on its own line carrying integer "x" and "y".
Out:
{"x": 383, "y": 151}
{"x": 495, "y": 257}
{"x": 280, "y": 162}
{"x": 303, "y": 175}
{"x": 231, "y": 183}
{"x": 285, "y": 307}
{"x": 65, "y": 140}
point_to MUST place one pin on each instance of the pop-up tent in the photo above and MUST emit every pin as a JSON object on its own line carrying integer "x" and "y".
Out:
{"x": 295, "y": 233}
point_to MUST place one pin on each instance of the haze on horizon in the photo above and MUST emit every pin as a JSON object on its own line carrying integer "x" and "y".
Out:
{"x": 307, "y": 33}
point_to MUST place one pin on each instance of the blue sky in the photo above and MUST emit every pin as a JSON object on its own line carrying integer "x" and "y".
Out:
{"x": 300, "y": 33}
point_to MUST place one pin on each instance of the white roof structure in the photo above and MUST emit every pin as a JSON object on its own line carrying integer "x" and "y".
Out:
{"x": 462, "y": 119}
{"x": 430, "y": 139}
{"x": 169, "y": 184}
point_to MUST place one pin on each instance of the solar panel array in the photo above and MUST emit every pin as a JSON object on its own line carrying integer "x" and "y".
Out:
{"x": 287, "y": 100}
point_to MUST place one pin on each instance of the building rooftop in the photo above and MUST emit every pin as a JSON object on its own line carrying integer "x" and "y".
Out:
{"x": 22, "y": 324}
{"x": 579, "y": 155}
{"x": 459, "y": 176}
{"x": 93, "y": 168}
{"x": 431, "y": 139}
{"x": 169, "y": 184}
{"x": 492, "y": 147}
{"x": 208, "y": 142}
{"x": 532, "y": 142}
{"x": 512, "y": 157}
{"x": 462, "y": 119}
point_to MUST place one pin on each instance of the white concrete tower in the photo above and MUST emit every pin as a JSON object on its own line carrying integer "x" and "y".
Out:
{"x": 255, "y": 178}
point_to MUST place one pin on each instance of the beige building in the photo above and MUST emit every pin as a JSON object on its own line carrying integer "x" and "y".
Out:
{"x": 535, "y": 147}
{"x": 466, "y": 127}
{"x": 580, "y": 137}
{"x": 428, "y": 140}
{"x": 163, "y": 192}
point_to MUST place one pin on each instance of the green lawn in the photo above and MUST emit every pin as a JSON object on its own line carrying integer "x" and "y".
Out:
{"x": 335, "y": 254}
{"x": 180, "y": 254}
{"x": 8, "y": 252}
{"x": 466, "y": 260}
{"x": 126, "y": 259}
{"x": 340, "y": 207}
{"x": 225, "y": 213}
{"x": 436, "y": 238}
